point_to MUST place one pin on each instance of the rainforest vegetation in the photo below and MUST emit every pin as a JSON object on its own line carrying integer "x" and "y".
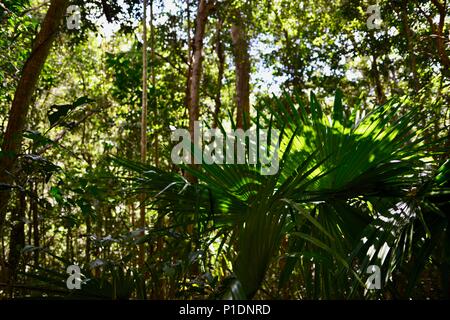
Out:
{"x": 355, "y": 95}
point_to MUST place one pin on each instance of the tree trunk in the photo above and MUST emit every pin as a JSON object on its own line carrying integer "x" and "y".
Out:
{"x": 220, "y": 51}
{"x": 189, "y": 55}
{"x": 381, "y": 97}
{"x": 88, "y": 240}
{"x": 12, "y": 140}
{"x": 17, "y": 237}
{"x": 204, "y": 7}
{"x": 411, "y": 55}
{"x": 143, "y": 129}
{"x": 35, "y": 219}
{"x": 154, "y": 96}
{"x": 242, "y": 64}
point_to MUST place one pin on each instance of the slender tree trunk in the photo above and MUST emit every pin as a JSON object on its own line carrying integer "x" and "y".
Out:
{"x": 197, "y": 56}
{"x": 195, "y": 72}
{"x": 17, "y": 237}
{"x": 3, "y": 273}
{"x": 381, "y": 97}
{"x": 155, "y": 100}
{"x": 204, "y": 7}
{"x": 242, "y": 63}
{"x": 159, "y": 243}
{"x": 143, "y": 128}
{"x": 408, "y": 35}
{"x": 220, "y": 51}
{"x": 12, "y": 140}
{"x": 69, "y": 255}
{"x": 88, "y": 239}
{"x": 30, "y": 219}
{"x": 189, "y": 55}
{"x": 35, "y": 219}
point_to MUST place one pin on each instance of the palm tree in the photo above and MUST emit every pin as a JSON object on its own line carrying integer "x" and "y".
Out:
{"x": 350, "y": 192}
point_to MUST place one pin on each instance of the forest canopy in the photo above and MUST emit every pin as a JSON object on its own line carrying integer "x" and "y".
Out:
{"x": 225, "y": 149}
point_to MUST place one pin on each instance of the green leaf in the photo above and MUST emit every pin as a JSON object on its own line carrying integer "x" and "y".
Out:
{"x": 58, "y": 112}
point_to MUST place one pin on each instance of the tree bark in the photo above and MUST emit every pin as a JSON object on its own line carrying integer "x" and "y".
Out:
{"x": 189, "y": 55}
{"x": 242, "y": 65}
{"x": 35, "y": 219}
{"x": 152, "y": 71}
{"x": 381, "y": 97}
{"x": 12, "y": 139}
{"x": 220, "y": 51}
{"x": 204, "y": 7}
{"x": 143, "y": 129}
{"x": 408, "y": 35}
{"x": 17, "y": 237}
{"x": 88, "y": 240}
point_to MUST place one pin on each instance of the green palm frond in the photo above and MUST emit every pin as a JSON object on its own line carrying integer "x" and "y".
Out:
{"x": 338, "y": 195}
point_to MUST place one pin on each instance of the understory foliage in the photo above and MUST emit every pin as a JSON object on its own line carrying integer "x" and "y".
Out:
{"x": 87, "y": 114}
{"x": 352, "y": 191}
